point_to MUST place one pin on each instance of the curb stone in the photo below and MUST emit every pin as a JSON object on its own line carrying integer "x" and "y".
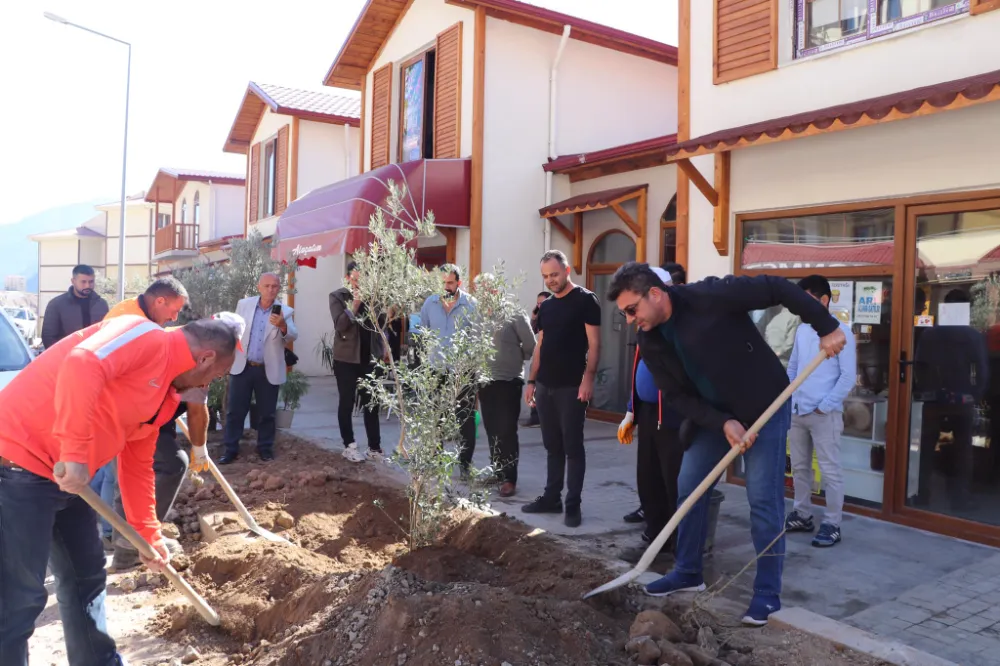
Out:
{"x": 853, "y": 638}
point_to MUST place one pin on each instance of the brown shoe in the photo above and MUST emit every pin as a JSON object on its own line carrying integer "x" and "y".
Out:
{"x": 507, "y": 488}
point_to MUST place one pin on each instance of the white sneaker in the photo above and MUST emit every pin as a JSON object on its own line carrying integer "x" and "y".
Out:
{"x": 351, "y": 453}
{"x": 375, "y": 456}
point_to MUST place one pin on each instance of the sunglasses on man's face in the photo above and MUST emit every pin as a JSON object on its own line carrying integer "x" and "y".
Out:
{"x": 630, "y": 310}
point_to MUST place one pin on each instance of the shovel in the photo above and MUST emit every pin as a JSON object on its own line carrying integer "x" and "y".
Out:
{"x": 126, "y": 530}
{"x": 728, "y": 460}
{"x": 231, "y": 494}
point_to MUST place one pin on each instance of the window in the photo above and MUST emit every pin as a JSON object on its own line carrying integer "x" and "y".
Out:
{"x": 268, "y": 178}
{"x": 668, "y": 229}
{"x": 823, "y": 25}
{"x": 163, "y": 220}
{"x": 416, "y": 108}
{"x": 197, "y": 208}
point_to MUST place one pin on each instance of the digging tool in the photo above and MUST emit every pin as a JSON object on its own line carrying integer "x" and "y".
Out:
{"x": 693, "y": 498}
{"x": 248, "y": 520}
{"x": 126, "y": 530}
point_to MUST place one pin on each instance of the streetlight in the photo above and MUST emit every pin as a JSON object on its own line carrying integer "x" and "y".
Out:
{"x": 128, "y": 81}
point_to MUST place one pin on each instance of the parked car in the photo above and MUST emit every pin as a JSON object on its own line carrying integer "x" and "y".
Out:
{"x": 25, "y": 320}
{"x": 14, "y": 351}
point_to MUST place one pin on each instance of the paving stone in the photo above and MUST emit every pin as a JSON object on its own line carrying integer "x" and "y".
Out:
{"x": 913, "y": 614}
{"x": 975, "y": 624}
{"x": 946, "y": 619}
{"x": 974, "y": 607}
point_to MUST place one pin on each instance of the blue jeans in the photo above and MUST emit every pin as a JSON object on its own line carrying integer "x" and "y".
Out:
{"x": 765, "y": 476}
{"x": 39, "y": 523}
{"x": 103, "y": 484}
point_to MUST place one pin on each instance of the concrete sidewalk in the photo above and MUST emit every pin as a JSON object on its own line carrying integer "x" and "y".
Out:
{"x": 935, "y": 593}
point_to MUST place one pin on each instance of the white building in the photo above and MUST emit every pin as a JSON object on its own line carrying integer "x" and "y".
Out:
{"x": 836, "y": 138}
{"x": 15, "y": 283}
{"x": 60, "y": 251}
{"x": 534, "y": 121}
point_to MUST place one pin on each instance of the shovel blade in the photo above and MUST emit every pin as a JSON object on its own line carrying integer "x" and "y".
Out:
{"x": 624, "y": 579}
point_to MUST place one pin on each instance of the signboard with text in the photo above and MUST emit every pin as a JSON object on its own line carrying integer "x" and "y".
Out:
{"x": 868, "y": 306}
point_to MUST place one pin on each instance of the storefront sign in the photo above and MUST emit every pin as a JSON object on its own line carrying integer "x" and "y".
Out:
{"x": 868, "y": 307}
{"x": 842, "y": 299}
{"x": 923, "y": 321}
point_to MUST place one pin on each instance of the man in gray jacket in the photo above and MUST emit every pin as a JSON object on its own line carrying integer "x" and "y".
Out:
{"x": 356, "y": 348}
{"x": 75, "y": 310}
{"x": 500, "y": 399}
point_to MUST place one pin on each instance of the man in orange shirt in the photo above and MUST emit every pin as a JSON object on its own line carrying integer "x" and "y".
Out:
{"x": 99, "y": 393}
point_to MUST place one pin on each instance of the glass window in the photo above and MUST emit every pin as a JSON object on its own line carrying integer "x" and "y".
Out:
{"x": 613, "y": 248}
{"x": 953, "y": 465}
{"x": 197, "y": 208}
{"x": 669, "y": 244}
{"x": 269, "y": 179}
{"x": 417, "y": 108}
{"x": 823, "y": 25}
{"x": 857, "y": 238}
{"x": 13, "y": 355}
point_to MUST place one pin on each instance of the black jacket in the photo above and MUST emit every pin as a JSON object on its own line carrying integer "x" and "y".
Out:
{"x": 63, "y": 315}
{"x": 712, "y": 325}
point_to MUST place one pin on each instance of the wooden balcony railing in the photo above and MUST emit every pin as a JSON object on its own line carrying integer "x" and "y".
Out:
{"x": 176, "y": 237}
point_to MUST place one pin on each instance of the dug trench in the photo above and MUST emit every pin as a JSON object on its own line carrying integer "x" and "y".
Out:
{"x": 492, "y": 592}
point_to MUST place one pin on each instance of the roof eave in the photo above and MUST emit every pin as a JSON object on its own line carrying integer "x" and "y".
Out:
{"x": 350, "y": 83}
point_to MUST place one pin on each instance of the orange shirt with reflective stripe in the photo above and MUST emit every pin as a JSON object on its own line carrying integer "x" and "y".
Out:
{"x": 99, "y": 393}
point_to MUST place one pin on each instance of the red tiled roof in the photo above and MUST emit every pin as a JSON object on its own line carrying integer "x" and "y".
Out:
{"x": 377, "y": 20}
{"x": 572, "y": 164}
{"x": 860, "y": 254}
{"x": 589, "y": 201}
{"x": 305, "y": 104}
{"x": 940, "y": 96}
{"x": 166, "y": 178}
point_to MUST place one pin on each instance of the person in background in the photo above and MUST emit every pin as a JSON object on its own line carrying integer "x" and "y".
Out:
{"x": 658, "y": 460}
{"x": 500, "y": 398}
{"x": 780, "y": 335}
{"x": 356, "y": 347}
{"x": 259, "y": 372}
{"x": 74, "y": 310}
{"x": 564, "y": 366}
{"x": 711, "y": 365}
{"x": 104, "y": 485}
{"x": 818, "y": 422}
{"x": 444, "y": 315}
{"x": 675, "y": 274}
{"x": 532, "y": 420}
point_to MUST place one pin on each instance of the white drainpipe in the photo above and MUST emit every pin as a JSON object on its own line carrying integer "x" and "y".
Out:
{"x": 552, "y": 130}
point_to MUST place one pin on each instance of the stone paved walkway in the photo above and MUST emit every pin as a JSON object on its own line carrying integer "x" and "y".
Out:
{"x": 934, "y": 593}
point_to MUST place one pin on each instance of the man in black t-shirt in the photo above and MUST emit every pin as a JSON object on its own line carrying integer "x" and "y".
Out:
{"x": 564, "y": 369}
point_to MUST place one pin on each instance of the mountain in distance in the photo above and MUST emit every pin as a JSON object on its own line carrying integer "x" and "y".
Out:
{"x": 19, "y": 255}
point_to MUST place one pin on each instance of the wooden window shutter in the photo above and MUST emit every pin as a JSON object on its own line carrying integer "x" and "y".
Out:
{"x": 254, "y": 181}
{"x": 745, "y": 38}
{"x": 281, "y": 172}
{"x": 448, "y": 93}
{"x": 381, "y": 115}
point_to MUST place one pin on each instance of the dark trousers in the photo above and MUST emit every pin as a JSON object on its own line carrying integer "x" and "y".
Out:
{"x": 562, "y": 417}
{"x": 170, "y": 464}
{"x": 658, "y": 463}
{"x": 347, "y": 375}
{"x": 40, "y": 524}
{"x": 500, "y": 402}
{"x": 465, "y": 412}
{"x": 251, "y": 382}
{"x": 958, "y": 418}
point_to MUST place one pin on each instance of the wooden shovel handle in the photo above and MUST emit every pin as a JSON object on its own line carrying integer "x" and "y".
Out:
{"x": 126, "y": 530}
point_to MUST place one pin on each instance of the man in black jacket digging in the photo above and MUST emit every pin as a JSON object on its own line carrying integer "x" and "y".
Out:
{"x": 712, "y": 366}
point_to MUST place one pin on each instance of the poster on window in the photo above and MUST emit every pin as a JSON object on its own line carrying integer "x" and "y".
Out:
{"x": 868, "y": 306}
{"x": 414, "y": 83}
{"x": 842, "y": 300}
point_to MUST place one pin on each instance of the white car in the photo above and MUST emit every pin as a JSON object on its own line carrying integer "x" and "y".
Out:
{"x": 14, "y": 351}
{"x": 25, "y": 320}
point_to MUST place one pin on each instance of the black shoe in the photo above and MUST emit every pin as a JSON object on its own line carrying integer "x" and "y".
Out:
{"x": 265, "y": 456}
{"x": 227, "y": 458}
{"x": 573, "y": 517}
{"x": 531, "y": 423}
{"x": 543, "y": 504}
{"x": 636, "y": 516}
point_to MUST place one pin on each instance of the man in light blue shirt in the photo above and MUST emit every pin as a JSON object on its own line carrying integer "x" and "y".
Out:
{"x": 818, "y": 422}
{"x": 444, "y": 315}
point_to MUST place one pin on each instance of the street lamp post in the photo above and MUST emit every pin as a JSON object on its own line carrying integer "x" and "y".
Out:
{"x": 128, "y": 84}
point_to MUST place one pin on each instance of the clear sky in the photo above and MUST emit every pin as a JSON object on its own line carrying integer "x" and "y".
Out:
{"x": 63, "y": 89}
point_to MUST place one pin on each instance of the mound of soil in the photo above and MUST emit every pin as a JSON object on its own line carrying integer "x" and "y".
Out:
{"x": 348, "y": 592}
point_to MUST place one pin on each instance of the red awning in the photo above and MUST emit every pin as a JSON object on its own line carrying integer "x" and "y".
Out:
{"x": 856, "y": 254}
{"x": 334, "y": 219}
{"x": 590, "y": 201}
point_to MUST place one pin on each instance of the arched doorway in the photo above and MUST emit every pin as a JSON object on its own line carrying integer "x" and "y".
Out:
{"x": 613, "y": 383}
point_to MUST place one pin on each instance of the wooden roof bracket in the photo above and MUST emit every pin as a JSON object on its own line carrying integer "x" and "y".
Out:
{"x": 575, "y": 237}
{"x": 718, "y": 196}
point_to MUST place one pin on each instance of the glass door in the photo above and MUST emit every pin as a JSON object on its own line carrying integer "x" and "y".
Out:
{"x": 949, "y": 365}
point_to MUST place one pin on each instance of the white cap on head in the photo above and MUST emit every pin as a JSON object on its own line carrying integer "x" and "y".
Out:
{"x": 662, "y": 274}
{"x": 235, "y": 322}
